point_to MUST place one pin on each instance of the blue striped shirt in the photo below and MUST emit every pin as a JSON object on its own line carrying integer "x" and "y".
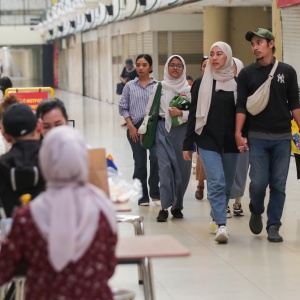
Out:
{"x": 134, "y": 99}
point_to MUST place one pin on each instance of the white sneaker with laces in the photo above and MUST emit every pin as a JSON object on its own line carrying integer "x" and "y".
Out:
{"x": 222, "y": 235}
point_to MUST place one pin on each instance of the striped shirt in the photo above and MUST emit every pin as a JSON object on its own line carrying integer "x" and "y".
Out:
{"x": 134, "y": 99}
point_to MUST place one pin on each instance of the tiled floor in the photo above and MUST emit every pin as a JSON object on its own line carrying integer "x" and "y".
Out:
{"x": 248, "y": 267}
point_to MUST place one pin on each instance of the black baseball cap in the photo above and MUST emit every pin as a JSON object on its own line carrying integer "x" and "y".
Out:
{"x": 19, "y": 120}
{"x": 262, "y": 32}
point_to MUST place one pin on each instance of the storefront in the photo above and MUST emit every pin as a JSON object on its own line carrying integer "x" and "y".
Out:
{"x": 290, "y": 15}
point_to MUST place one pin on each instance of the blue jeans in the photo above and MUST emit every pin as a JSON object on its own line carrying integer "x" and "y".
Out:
{"x": 140, "y": 169}
{"x": 269, "y": 165}
{"x": 220, "y": 172}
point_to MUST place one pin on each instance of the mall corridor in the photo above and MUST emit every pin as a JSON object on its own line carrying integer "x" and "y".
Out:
{"x": 248, "y": 267}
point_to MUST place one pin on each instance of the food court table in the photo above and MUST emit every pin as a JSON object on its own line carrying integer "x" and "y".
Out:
{"x": 140, "y": 249}
{"x": 121, "y": 207}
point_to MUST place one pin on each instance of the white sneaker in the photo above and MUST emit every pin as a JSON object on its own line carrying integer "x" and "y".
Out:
{"x": 222, "y": 235}
{"x": 213, "y": 227}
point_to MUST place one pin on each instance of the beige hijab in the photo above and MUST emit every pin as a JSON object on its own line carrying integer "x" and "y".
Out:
{"x": 224, "y": 81}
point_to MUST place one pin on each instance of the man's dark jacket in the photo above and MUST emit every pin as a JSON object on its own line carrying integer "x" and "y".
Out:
{"x": 20, "y": 174}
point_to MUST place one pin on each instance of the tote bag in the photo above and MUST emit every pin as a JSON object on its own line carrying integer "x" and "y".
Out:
{"x": 150, "y": 135}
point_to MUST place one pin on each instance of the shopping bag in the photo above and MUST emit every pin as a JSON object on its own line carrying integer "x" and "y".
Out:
{"x": 98, "y": 169}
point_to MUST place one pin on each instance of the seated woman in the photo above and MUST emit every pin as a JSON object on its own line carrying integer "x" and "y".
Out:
{"x": 53, "y": 113}
{"x": 66, "y": 237}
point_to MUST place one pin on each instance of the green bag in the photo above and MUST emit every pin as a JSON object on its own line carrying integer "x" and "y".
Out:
{"x": 150, "y": 135}
{"x": 181, "y": 103}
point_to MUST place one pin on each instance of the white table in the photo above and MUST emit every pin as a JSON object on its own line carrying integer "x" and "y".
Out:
{"x": 140, "y": 249}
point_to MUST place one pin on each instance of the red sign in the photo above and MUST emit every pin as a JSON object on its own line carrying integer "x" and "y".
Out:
{"x": 286, "y": 3}
{"x": 32, "y": 99}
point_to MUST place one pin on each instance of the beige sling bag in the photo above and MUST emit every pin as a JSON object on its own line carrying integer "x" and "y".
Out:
{"x": 257, "y": 102}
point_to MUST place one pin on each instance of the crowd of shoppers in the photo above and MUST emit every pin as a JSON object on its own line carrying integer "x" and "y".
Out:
{"x": 228, "y": 135}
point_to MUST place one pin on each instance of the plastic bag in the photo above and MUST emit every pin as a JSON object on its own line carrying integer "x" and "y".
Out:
{"x": 123, "y": 190}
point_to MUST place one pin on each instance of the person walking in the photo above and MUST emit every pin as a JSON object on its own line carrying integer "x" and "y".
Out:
{"x": 132, "y": 107}
{"x": 239, "y": 183}
{"x": 211, "y": 125}
{"x": 200, "y": 172}
{"x": 129, "y": 72}
{"x": 269, "y": 131}
{"x": 174, "y": 171}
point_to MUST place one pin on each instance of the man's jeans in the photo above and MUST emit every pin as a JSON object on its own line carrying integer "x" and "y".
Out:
{"x": 140, "y": 169}
{"x": 220, "y": 172}
{"x": 269, "y": 165}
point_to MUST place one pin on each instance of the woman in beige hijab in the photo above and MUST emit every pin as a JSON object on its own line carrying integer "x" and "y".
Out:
{"x": 211, "y": 125}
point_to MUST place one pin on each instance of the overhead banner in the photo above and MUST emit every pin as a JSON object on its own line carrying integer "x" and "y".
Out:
{"x": 286, "y": 3}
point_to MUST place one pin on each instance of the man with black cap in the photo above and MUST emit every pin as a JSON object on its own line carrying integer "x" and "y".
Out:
{"x": 269, "y": 130}
{"x": 19, "y": 167}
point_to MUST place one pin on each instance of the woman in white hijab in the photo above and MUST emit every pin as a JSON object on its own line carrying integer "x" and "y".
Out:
{"x": 66, "y": 237}
{"x": 211, "y": 126}
{"x": 174, "y": 171}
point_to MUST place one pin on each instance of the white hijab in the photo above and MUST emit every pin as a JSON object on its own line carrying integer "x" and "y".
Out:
{"x": 67, "y": 213}
{"x": 239, "y": 65}
{"x": 224, "y": 81}
{"x": 172, "y": 86}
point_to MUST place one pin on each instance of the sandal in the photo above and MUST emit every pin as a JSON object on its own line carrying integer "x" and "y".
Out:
{"x": 199, "y": 193}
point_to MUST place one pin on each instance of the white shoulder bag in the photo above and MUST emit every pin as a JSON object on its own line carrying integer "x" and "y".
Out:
{"x": 257, "y": 102}
{"x": 143, "y": 128}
